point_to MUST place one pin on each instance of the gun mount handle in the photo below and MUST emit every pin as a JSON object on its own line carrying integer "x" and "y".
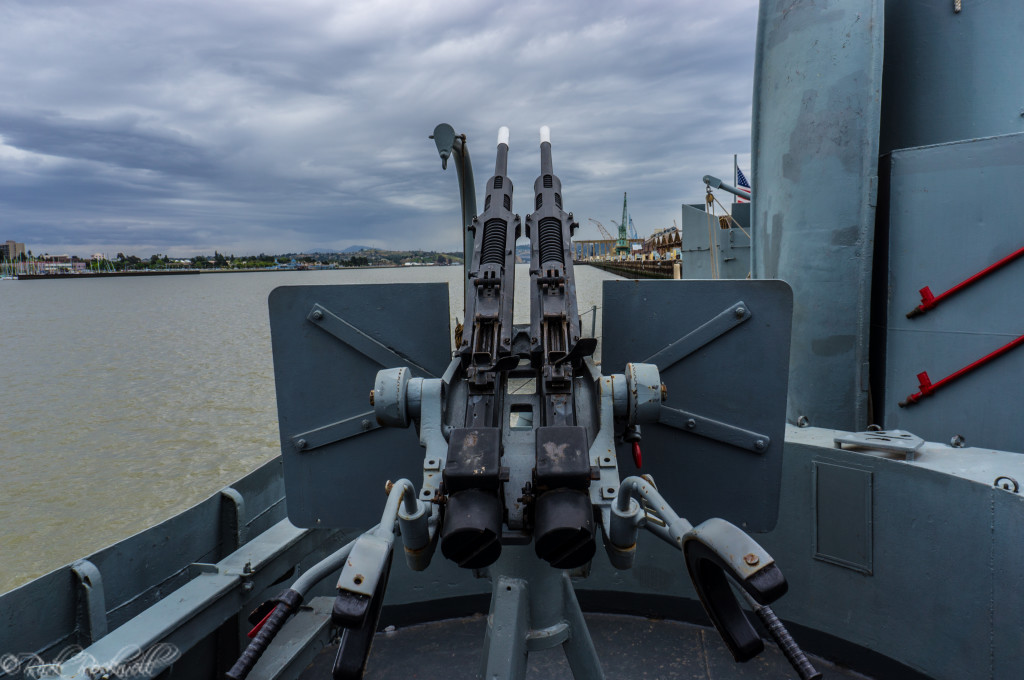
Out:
{"x": 356, "y": 640}
{"x": 708, "y": 573}
{"x": 717, "y": 552}
{"x": 287, "y": 604}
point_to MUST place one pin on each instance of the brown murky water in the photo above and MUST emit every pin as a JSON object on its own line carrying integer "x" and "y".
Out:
{"x": 125, "y": 401}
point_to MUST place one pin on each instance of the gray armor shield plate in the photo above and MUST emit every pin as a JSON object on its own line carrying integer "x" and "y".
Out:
{"x": 328, "y": 344}
{"x": 722, "y": 348}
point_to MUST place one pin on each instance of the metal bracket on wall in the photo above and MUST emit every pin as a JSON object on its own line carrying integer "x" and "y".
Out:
{"x": 360, "y": 341}
{"x": 335, "y": 432}
{"x": 232, "y": 520}
{"x": 714, "y": 429}
{"x": 92, "y": 602}
{"x": 893, "y": 441}
{"x": 721, "y": 324}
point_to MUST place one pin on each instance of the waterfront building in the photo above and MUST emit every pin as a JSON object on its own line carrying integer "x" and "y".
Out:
{"x": 662, "y": 243}
{"x": 58, "y": 264}
{"x": 11, "y": 250}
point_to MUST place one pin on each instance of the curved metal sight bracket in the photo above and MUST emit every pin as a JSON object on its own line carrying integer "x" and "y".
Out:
{"x": 717, "y": 552}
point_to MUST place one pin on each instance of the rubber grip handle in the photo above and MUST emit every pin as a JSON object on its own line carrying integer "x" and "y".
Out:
{"x": 787, "y": 644}
{"x": 289, "y": 603}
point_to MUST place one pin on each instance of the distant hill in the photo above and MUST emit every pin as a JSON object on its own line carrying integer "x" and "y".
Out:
{"x": 351, "y": 249}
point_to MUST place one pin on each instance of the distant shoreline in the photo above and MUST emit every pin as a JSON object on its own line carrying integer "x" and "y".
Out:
{"x": 182, "y": 272}
{"x": 96, "y": 275}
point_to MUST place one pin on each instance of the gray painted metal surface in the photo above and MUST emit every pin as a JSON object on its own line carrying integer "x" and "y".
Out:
{"x": 954, "y": 210}
{"x": 196, "y": 610}
{"x": 1007, "y": 628}
{"x": 734, "y": 253}
{"x": 318, "y": 373}
{"x": 946, "y": 610}
{"x": 741, "y": 213}
{"x": 944, "y": 606}
{"x": 949, "y": 75}
{"x": 731, "y": 246}
{"x": 817, "y": 89}
{"x": 843, "y": 511}
{"x": 737, "y": 379}
{"x": 534, "y": 608}
{"x": 696, "y": 245}
{"x": 715, "y": 183}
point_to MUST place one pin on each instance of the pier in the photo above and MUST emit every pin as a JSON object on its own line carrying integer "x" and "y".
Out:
{"x": 640, "y": 269}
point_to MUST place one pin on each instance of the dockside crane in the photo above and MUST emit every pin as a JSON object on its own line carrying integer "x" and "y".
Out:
{"x": 622, "y": 245}
{"x": 604, "y": 232}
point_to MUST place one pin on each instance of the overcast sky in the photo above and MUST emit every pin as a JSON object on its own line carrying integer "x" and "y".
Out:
{"x": 187, "y": 127}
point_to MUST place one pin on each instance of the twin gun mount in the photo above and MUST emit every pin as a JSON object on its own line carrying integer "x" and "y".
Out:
{"x": 524, "y": 437}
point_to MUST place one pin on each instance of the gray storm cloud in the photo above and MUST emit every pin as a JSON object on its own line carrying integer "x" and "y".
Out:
{"x": 184, "y": 127}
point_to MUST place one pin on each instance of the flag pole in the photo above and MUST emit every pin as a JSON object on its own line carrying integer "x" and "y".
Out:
{"x": 735, "y": 174}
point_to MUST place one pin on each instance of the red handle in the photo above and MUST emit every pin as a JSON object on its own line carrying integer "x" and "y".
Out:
{"x": 255, "y": 631}
{"x": 929, "y": 301}
{"x": 927, "y": 387}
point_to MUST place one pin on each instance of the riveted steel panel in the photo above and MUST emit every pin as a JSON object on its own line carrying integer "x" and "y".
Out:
{"x": 736, "y": 379}
{"x": 324, "y": 378}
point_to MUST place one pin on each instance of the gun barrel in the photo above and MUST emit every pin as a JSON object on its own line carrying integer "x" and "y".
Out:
{"x": 501, "y": 160}
{"x": 554, "y": 317}
{"x": 545, "y": 151}
{"x": 487, "y": 337}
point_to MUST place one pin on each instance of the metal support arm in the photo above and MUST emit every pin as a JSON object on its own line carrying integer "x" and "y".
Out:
{"x": 715, "y": 183}
{"x": 716, "y": 552}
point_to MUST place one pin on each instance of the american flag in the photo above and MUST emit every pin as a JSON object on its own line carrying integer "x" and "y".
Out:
{"x": 742, "y": 183}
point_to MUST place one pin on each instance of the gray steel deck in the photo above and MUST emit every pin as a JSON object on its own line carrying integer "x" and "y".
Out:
{"x": 629, "y": 647}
